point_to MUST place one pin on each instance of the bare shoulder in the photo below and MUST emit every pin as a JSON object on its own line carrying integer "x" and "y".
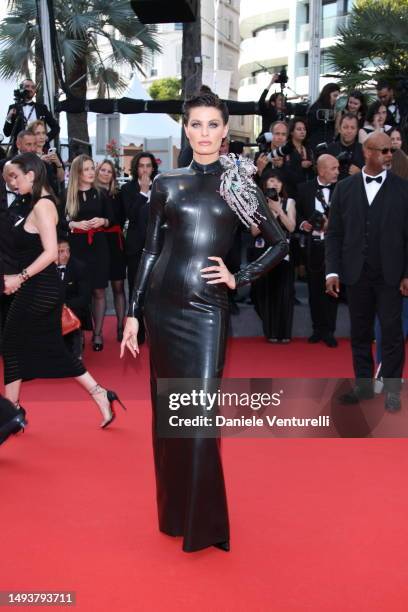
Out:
{"x": 45, "y": 208}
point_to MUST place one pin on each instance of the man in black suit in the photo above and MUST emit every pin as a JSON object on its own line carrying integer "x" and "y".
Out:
{"x": 135, "y": 197}
{"x": 347, "y": 147}
{"x": 77, "y": 294}
{"x": 367, "y": 249}
{"x": 312, "y": 207}
{"x": 21, "y": 114}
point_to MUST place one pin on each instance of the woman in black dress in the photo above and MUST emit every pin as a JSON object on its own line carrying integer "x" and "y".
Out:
{"x": 90, "y": 214}
{"x": 106, "y": 179}
{"x": 274, "y": 293}
{"x": 321, "y": 116}
{"x": 33, "y": 345}
{"x": 186, "y": 308}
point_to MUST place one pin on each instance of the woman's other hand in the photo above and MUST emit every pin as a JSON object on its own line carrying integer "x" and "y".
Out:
{"x": 130, "y": 337}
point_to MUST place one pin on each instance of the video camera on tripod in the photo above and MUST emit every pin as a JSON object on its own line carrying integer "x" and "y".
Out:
{"x": 21, "y": 95}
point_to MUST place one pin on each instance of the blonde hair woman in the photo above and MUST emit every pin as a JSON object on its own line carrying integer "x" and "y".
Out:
{"x": 89, "y": 214}
{"x": 106, "y": 180}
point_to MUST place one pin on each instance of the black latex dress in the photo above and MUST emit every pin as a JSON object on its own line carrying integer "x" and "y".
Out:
{"x": 187, "y": 325}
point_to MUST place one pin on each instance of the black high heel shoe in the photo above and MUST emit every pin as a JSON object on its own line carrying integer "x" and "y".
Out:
{"x": 111, "y": 396}
{"x": 97, "y": 345}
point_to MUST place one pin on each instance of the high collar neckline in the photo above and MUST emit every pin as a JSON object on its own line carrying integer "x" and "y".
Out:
{"x": 214, "y": 168}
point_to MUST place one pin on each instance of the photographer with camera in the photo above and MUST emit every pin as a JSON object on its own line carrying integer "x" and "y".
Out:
{"x": 346, "y": 147}
{"x": 312, "y": 207}
{"x": 273, "y": 148}
{"x": 321, "y": 115}
{"x": 273, "y": 293}
{"x": 25, "y": 111}
{"x": 273, "y": 109}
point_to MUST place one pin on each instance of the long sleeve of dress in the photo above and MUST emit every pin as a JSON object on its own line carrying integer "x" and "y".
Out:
{"x": 151, "y": 249}
{"x": 274, "y": 236}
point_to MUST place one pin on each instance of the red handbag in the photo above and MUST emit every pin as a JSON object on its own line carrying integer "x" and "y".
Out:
{"x": 69, "y": 321}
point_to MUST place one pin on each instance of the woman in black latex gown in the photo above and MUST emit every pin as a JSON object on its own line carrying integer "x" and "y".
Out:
{"x": 191, "y": 229}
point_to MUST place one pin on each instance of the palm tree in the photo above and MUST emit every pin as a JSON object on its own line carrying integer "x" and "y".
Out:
{"x": 374, "y": 44}
{"x": 96, "y": 40}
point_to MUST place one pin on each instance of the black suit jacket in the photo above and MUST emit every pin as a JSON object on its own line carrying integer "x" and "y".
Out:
{"x": 136, "y": 209}
{"x": 345, "y": 236}
{"x": 77, "y": 291}
{"x": 41, "y": 112}
{"x": 306, "y": 202}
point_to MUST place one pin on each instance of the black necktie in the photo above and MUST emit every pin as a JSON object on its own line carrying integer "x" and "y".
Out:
{"x": 377, "y": 179}
{"x": 61, "y": 271}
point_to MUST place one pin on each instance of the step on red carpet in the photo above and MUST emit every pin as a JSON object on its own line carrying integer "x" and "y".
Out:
{"x": 317, "y": 524}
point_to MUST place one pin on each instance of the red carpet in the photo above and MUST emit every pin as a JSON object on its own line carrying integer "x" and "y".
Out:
{"x": 317, "y": 524}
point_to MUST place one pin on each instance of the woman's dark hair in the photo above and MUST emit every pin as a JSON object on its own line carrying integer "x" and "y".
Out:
{"x": 135, "y": 164}
{"x": 402, "y": 135}
{"x": 373, "y": 110}
{"x": 278, "y": 175}
{"x": 399, "y": 164}
{"x": 209, "y": 100}
{"x": 30, "y": 162}
{"x": 275, "y": 96}
{"x": 323, "y": 101}
{"x": 358, "y": 95}
{"x": 292, "y": 125}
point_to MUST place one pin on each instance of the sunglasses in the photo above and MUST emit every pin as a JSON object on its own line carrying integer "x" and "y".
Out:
{"x": 384, "y": 150}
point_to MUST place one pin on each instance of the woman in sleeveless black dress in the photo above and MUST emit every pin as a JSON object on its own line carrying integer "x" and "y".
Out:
{"x": 33, "y": 345}
{"x": 106, "y": 179}
{"x": 90, "y": 215}
{"x": 187, "y": 313}
{"x": 274, "y": 293}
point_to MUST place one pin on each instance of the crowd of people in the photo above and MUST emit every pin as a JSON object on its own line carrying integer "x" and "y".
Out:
{"x": 318, "y": 204}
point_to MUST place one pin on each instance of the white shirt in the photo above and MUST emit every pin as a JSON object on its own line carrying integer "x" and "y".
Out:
{"x": 373, "y": 187}
{"x": 29, "y": 113}
{"x": 146, "y": 194}
{"x": 11, "y": 196}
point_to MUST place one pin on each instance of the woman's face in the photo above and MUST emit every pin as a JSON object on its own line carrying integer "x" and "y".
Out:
{"x": 274, "y": 183}
{"x": 23, "y": 182}
{"x": 353, "y": 105}
{"x": 381, "y": 115}
{"x": 333, "y": 97}
{"x": 144, "y": 167}
{"x": 105, "y": 174}
{"x": 299, "y": 131}
{"x": 205, "y": 130}
{"x": 280, "y": 102}
{"x": 87, "y": 175}
{"x": 396, "y": 140}
{"x": 40, "y": 135}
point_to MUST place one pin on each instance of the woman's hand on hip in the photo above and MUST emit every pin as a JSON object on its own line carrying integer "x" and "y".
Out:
{"x": 219, "y": 274}
{"x": 130, "y": 337}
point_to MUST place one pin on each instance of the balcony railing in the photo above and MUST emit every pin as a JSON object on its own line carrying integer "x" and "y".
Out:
{"x": 330, "y": 28}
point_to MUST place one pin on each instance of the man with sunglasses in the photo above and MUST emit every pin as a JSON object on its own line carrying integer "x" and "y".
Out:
{"x": 367, "y": 249}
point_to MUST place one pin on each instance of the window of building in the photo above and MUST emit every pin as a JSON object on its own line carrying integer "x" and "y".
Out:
{"x": 272, "y": 28}
{"x": 230, "y": 30}
{"x": 178, "y": 26}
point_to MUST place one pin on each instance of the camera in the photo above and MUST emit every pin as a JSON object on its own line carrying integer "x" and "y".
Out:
{"x": 21, "y": 95}
{"x": 263, "y": 141}
{"x": 282, "y": 77}
{"x": 317, "y": 221}
{"x": 325, "y": 114}
{"x": 345, "y": 159}
{"x": 272, "y": 194}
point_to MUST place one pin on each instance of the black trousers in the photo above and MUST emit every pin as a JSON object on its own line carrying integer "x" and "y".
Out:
{"x": 132, "y": 266}
{"x": 369, "y": 297}
{"x": 323, "y": 307}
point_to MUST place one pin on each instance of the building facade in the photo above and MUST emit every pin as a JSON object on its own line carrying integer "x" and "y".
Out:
{"x": 276, "y": 34}
{"x": 226, "y": 30}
